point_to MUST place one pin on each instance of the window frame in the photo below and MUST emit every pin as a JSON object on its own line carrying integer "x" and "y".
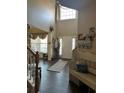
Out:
{"x": 74, "y": 16}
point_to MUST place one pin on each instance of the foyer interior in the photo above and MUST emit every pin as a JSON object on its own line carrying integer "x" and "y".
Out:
{"x": 55, "y": 30}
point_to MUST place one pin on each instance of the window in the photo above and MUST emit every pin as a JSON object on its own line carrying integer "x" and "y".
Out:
{"x": 35, "y": 44}
{"x": 39, "y": 45}
{"x": 73, "y": 43}
{"x": 60, "y": 49}
{"x": 43, "y": 45}
{"x": 67, "y": 13}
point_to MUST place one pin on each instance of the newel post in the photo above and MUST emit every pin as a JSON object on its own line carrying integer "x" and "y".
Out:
{"x": 36, "y": 72}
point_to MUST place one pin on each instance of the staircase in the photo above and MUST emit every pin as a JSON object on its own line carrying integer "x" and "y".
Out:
{"x": 33, "y": 72}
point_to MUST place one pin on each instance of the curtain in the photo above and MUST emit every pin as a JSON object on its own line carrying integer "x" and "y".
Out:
{"x": 35, "y": 35}
{"x": 39, "y": 44}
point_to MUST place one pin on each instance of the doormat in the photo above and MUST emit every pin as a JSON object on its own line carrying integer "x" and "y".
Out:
{"x": 58, "y": 66}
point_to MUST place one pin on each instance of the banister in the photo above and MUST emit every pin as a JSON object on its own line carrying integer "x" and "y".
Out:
{"x": 36, "y": 61}
{"x": 36, "y": 72}
{"x": 31, "y": 50}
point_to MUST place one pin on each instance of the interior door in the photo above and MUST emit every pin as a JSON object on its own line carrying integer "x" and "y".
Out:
{"x": 67, "y": 47}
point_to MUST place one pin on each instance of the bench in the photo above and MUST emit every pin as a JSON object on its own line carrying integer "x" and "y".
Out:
{"x": 86, "y": 78}
{"x": 89, "y": 78}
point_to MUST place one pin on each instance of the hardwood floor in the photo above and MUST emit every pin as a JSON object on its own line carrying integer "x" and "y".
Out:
{"x": 54, "y": 82}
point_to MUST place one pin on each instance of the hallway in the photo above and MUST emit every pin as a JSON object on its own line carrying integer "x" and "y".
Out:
{"x": 53, "y": 82}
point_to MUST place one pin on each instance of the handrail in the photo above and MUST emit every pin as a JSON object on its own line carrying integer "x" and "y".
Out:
{"x": 31, "y": 50}
{"x": 33, "y": 60}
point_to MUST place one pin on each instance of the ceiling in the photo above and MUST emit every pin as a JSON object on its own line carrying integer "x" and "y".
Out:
{"x": 75, "y": 4}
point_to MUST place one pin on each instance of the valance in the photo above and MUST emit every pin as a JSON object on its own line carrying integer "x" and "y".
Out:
{"x": 35, "y": 35}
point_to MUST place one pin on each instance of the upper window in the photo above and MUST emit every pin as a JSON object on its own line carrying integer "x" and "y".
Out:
{"x": 67, "y": 13}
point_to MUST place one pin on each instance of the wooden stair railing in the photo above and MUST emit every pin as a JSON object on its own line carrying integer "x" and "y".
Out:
{"x": 32, "y": 70}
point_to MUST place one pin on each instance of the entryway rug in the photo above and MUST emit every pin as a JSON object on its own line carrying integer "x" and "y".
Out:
{"x": 58, "y": 66}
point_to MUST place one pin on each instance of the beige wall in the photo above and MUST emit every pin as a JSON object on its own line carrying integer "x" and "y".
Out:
{"x": 41, "y": 14}
{"x": 87, "y": 17}
{"x": 67, "y": 27}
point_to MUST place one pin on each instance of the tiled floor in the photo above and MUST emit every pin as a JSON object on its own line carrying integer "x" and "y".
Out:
{"x": 54, "y": 82}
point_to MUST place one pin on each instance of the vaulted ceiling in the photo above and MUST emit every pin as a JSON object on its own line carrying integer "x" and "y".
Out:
{"x": 75, "y": 4}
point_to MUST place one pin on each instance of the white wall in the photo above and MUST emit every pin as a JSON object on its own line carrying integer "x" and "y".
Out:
{"x": 67, "y": 27}
{"x": 41, "y": 13}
